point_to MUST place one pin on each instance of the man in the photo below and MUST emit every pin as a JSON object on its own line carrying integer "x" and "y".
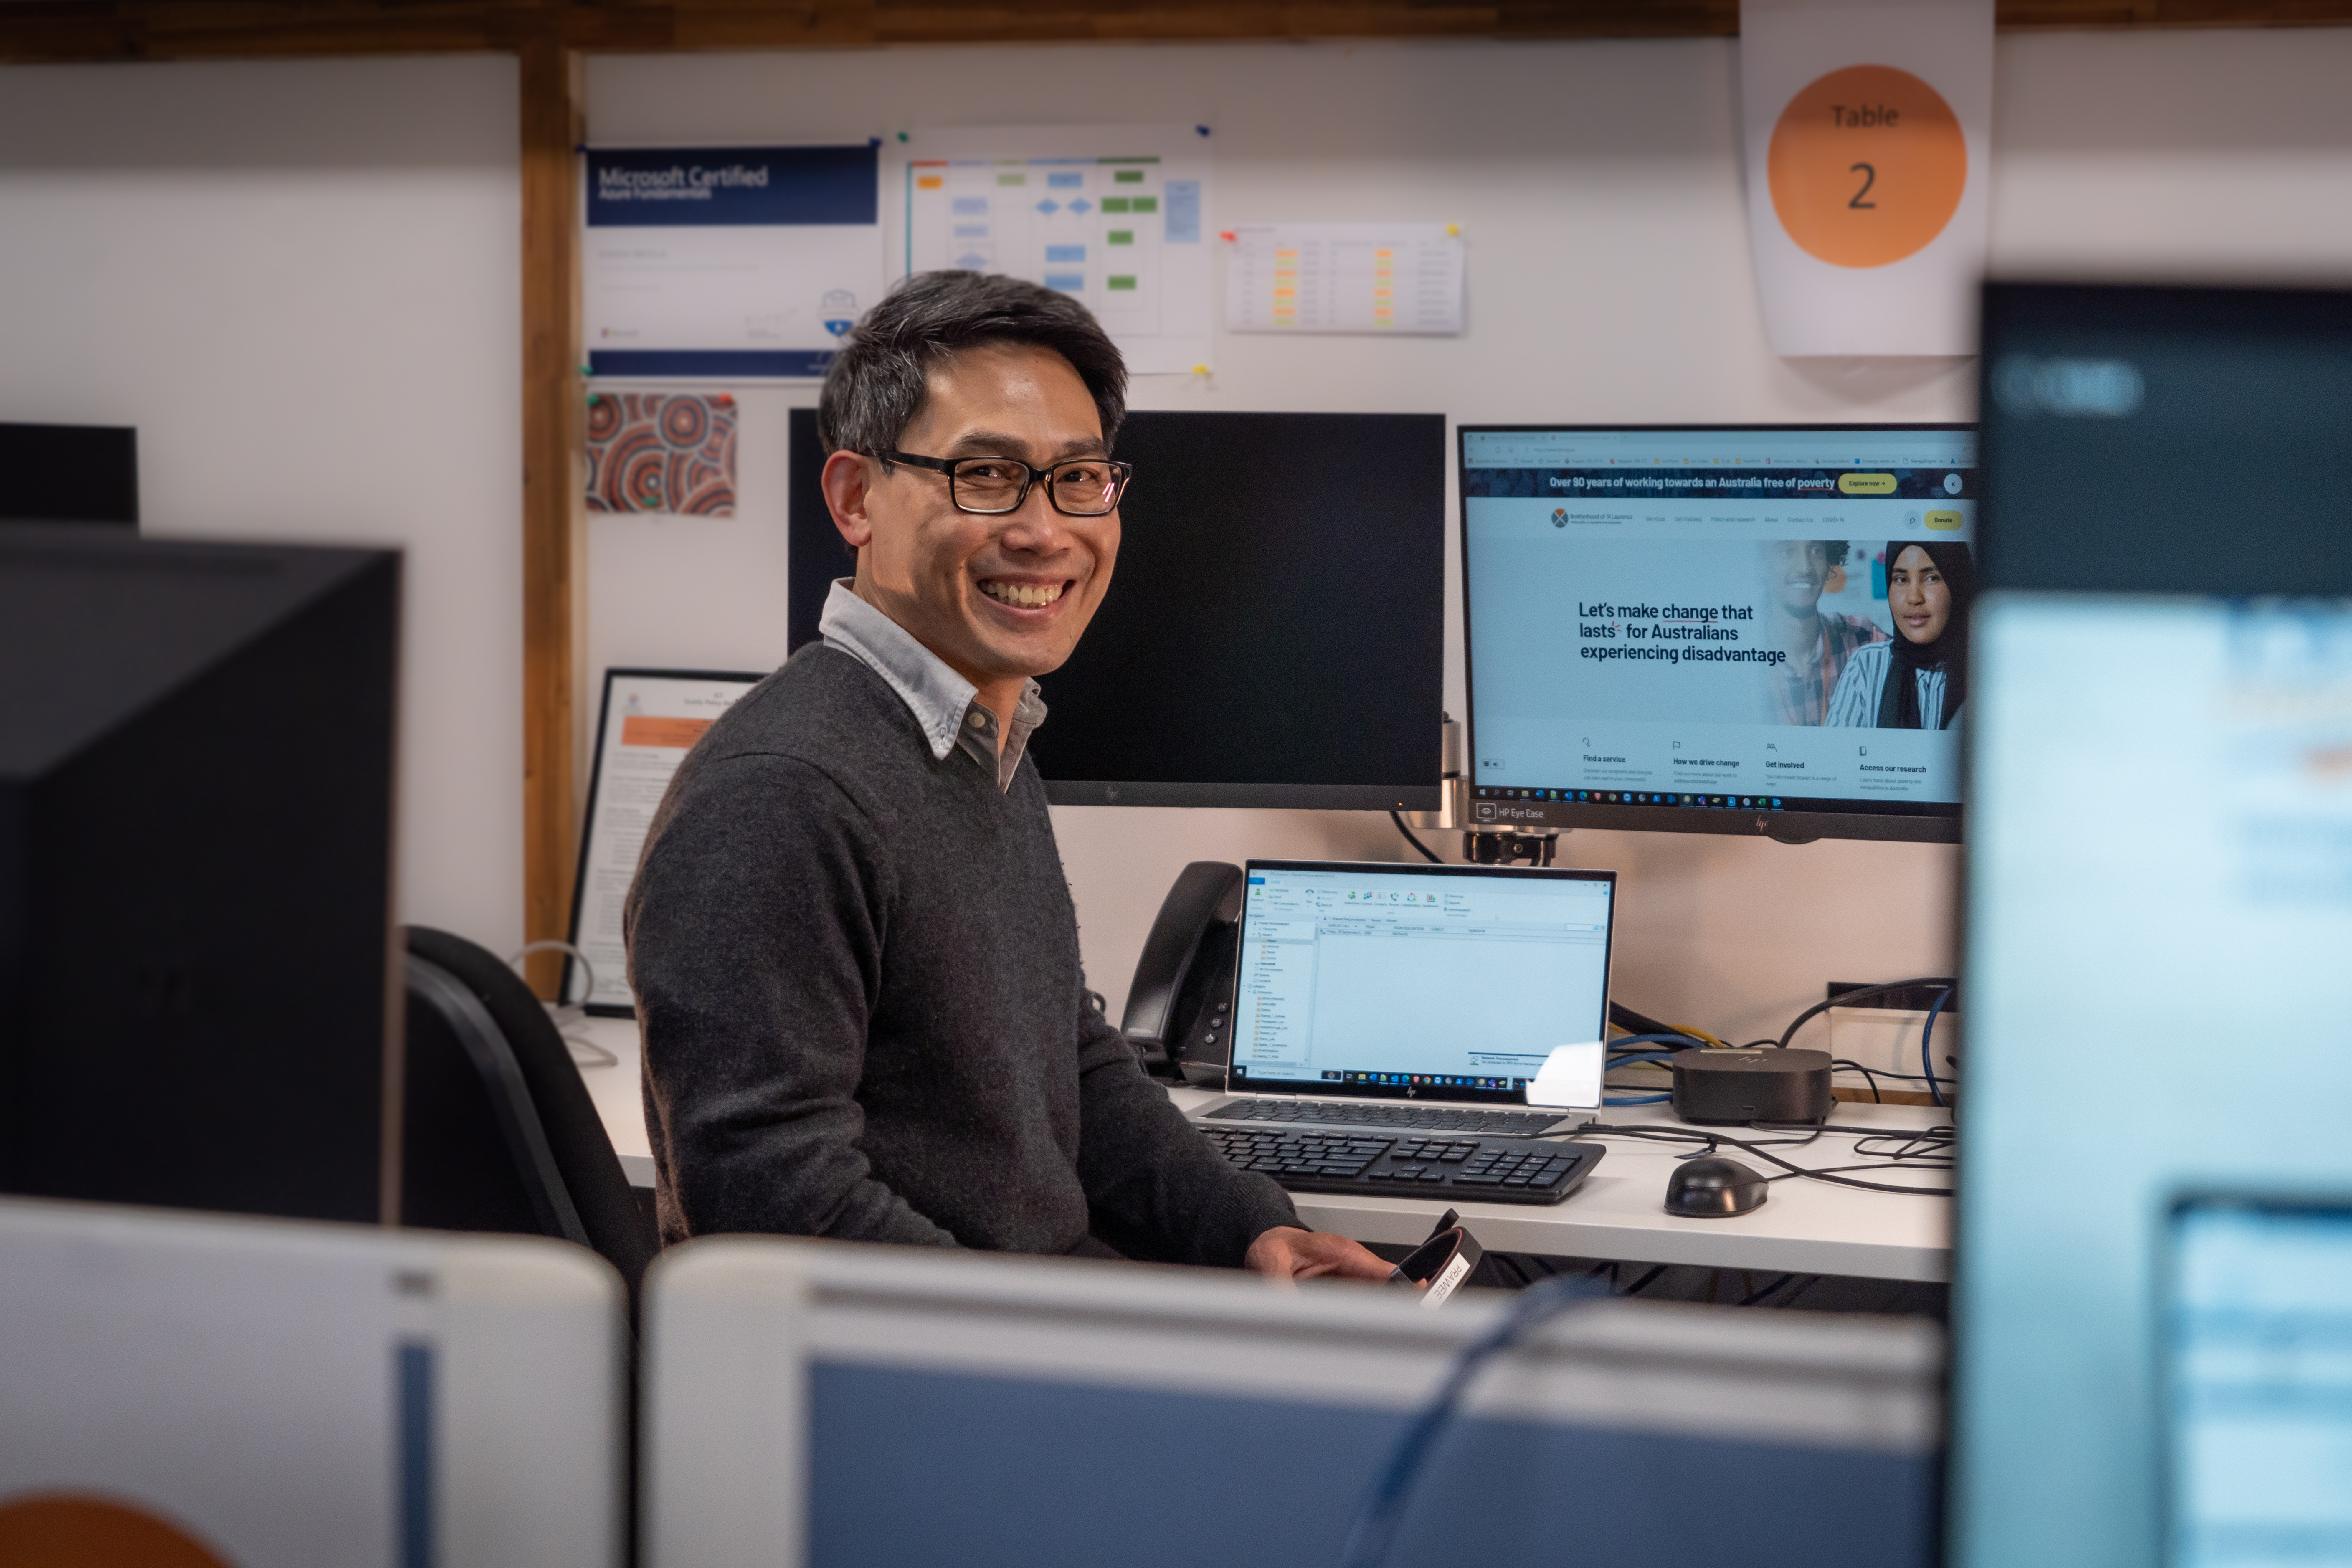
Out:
{"x": 1796, "y": 573}
{"x": 853, "y": 949}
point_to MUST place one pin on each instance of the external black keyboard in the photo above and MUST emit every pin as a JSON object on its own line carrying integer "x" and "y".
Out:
{"x": 1419, "y": 1117}
{"x": 1472, "y": 1170}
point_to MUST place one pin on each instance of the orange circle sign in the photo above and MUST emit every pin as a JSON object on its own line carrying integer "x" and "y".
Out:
{"x": 1867, "y": 166}
{"x": 65, "y": 1530}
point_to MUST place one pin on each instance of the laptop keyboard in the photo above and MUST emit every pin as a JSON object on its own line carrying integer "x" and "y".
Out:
{"x": 1475, "y": 1170}
{"x": 1418, "y": 1118}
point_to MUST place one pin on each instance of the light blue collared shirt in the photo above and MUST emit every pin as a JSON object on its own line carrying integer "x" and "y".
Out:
{"x": 944, "y": 703}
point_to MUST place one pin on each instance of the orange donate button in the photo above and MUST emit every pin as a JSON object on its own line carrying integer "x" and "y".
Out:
{"x": 636, "y": 730}
{"x": 1867, "y": 484}
{"x": 1943, "y": 521}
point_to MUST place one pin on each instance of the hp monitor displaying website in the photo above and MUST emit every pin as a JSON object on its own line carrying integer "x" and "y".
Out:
{"x": 1723, "y": 629}
{"x": 1418, "y": 982}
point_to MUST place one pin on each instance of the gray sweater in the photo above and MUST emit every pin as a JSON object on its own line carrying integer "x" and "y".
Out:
{"x": 856, "y": 967}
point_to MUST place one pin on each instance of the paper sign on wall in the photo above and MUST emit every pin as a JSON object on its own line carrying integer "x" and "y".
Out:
{"x": 1376, "y": 278}
{"x": 650, "y": 719}
{"x": 1114, "y": 216}
{"x": 734, "y": 262}
{"x": 1867, "y": 147}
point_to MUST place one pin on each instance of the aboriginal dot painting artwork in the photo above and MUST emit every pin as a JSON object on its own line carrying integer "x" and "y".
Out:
{"x": 662, "y": 452}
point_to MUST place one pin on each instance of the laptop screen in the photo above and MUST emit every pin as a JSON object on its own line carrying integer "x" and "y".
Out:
{"x": 1396, "y": 981}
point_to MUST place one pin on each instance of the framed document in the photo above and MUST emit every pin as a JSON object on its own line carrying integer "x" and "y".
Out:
{"x": 649, "y": 720}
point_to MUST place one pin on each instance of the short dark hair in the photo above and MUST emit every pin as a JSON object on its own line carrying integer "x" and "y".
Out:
{"x": 876, "y": 387}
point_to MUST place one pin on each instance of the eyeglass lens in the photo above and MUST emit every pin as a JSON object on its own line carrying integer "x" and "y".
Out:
{"x": 1080, "y": 488}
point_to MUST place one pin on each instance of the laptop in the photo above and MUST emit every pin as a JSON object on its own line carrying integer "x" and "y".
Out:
{"x": 1374, "y": 994}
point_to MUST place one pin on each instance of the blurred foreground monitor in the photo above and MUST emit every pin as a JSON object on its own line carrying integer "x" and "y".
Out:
{"x": 2159, "y": 869}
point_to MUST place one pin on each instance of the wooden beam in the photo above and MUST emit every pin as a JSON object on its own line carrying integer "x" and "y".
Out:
{"x": 212, "y": 29}
{"x": 61, "y": 30}
{"x": 554, "y": 554}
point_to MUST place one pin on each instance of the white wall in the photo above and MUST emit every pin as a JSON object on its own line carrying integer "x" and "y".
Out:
{"x": 298, "y": 280}
{"x": 1598, "y": 185}
{"x": 301, "y": 281}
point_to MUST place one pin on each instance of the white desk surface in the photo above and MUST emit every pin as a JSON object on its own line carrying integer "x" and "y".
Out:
{"x": 619, "y": 1093}
{"x": 1806, "y": 1227}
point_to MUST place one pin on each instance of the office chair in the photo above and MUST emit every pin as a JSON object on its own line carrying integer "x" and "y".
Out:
{"x": 501, "y": 1134}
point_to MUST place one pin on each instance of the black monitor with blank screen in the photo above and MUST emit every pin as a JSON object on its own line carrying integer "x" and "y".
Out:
{"x": 1718, "y": 628}
{"x": 1274, "y": 635}
{"x": 195, "y": 872}
{"x": 70, "y": 473}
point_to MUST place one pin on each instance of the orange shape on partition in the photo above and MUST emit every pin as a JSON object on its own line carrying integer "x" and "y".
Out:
{"x": 62, "y": 1530}
{"x": 1867, "y": 166}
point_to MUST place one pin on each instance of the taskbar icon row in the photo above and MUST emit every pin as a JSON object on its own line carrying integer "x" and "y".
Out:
{"x": 1423, "y": 1080}
{"x": 1637, "y": 797}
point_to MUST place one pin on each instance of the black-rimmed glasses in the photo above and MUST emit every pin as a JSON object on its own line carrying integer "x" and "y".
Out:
{"x": 1076, "y": 486}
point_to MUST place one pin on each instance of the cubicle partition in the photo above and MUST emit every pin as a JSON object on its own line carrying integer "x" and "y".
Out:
{"x": 268, "y": 1394}
{"x": 825, "y": 1405}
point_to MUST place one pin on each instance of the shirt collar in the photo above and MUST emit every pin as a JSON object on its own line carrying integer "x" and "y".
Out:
{"x": 945, "y": 704}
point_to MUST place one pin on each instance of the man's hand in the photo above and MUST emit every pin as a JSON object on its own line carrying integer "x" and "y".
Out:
{"x": 1287, "y": 1253}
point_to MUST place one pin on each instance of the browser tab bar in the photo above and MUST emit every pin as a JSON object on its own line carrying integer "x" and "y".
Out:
{"x": 1719, "y": 447}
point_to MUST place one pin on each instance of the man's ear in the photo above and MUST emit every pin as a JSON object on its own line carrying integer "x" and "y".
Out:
{"x": 847, "y": 481}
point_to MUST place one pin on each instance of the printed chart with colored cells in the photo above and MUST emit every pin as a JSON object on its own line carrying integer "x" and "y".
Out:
{"x": 1113, "y": 216}
{"x": 1405, "y": 278}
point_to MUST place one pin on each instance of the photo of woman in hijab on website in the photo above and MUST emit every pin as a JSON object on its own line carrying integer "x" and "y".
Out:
{"x": 1917, "y": 679}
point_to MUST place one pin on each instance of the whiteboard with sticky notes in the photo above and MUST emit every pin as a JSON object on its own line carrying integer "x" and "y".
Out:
{"x": 1114, "y": 216}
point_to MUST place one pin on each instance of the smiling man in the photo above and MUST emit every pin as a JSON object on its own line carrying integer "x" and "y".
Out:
{"x": 1797, "y": 571}
{"x": 854, "y": 952}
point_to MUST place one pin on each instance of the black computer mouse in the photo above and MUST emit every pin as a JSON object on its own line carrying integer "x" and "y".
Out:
{"x": 1714, "y": 1188}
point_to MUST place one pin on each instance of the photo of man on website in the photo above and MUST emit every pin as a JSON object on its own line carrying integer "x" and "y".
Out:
{"x": 1797, "y": 573}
